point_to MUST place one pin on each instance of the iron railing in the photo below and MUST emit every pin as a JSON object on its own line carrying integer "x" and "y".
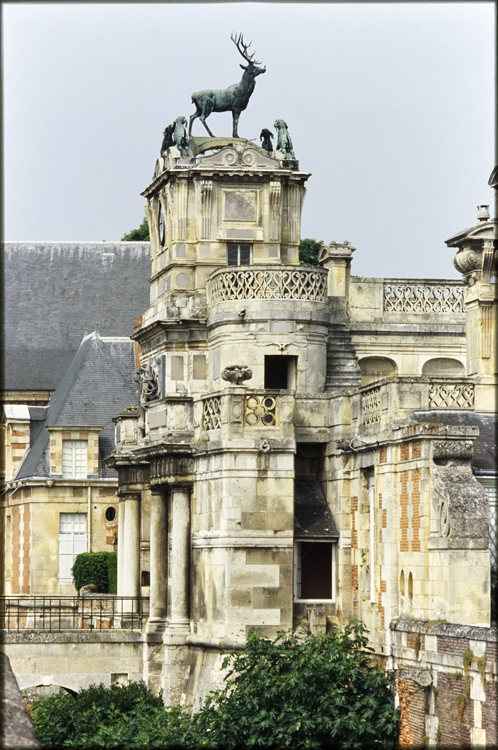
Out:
{"x": 58, "y": 613}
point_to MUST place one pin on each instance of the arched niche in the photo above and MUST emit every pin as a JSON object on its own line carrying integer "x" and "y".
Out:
{"x": 443, "y": 367}
{"x": 410, "y": 588}
{"x": 375, "y": 368}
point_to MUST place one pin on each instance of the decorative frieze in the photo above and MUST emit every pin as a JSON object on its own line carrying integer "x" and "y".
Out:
{"x": 451, "y": 396}
{"x": 261, "y": 411}
{"x": 171, "y": 466}
{"x": 275, "y": 201}
{"x": 211, "y": 413}
{"x": 370, "y": 406}
{"x": 295, "y": 197}
{"x": 181, "y": 209}
{"x": 487, "y": 330}
{"x": 262, "y": 283}
{"x": 204, "y": 189}
{"x": 420, "y": 298}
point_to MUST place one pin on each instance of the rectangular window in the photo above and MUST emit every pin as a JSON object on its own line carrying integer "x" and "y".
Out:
{"x": 239, "y": 254}
{"x": 72, "y": 542}
{"x": 74, "y": 459}
{"x": 280, "y": 372}
{"x": 314, "y": 571}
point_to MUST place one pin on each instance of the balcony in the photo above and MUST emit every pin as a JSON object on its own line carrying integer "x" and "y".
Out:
{"x": 396, "y": 398}
{"x": 241, "y": 412}
{"x": 263, "y": 282}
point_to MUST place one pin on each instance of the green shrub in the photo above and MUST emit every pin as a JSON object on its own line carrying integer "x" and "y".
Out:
{"x": 112, "y": 572}
{"x": 92, "y": 567}
{"x": 320, "y": 692}
{"x": 122, "y": 716}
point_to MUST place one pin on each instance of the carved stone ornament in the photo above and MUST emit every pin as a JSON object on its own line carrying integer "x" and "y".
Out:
{"x": 147, "y": 383}
{"x": 467, "y": 260}
{"x": 284, "y": 142}
{"x": 236, "y": 374}
{"x": 462, "y": 503}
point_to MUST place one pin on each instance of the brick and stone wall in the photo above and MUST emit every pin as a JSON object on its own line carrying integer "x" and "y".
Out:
{"x": 446, "y": 680}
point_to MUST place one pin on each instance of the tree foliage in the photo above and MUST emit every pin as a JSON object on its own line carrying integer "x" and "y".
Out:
{"x": 138, "y": 235}
{"x": 321, "y": 692}
{"x": 308, "y": 252}
{"x": 96, "y": 567}
{"x": 324, "y": 691}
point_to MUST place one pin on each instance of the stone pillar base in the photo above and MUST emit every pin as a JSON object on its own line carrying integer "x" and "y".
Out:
{"x": 174, "y": 673}
{"x": 156, "y": 625}
{"x": 176, "y": 633}
{"x": 153, "y": 661}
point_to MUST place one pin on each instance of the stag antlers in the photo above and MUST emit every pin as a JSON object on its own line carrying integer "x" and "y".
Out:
{"x": 240, "y": 42}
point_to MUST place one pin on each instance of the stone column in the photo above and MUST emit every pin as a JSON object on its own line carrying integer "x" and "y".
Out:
{"x": 176, "y": 650}
{"x": 158, "y": 559}
{"x": 131, "y": 544}
{"x": 180, "y": 556}
{"x": 121, "y": 533}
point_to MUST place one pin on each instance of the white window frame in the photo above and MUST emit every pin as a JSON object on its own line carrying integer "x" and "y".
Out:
{"x": 297, "y": 569}
{"x": 238, "y": 246}
{"x": 72, "y": 446}
{"x": 71, "y": 543}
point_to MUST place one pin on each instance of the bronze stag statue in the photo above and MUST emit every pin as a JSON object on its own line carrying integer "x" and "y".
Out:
{"x": 235, "y": 98}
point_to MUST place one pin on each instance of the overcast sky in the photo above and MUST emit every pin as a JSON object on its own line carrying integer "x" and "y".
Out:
{"x": 390, "y": 107}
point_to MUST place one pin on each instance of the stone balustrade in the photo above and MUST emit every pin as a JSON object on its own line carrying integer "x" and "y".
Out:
{"x": 420, "y": 297}
{"x": 243, "y": 412}
{"x": 390, "y": 398}
{"x": 263, "y": 282}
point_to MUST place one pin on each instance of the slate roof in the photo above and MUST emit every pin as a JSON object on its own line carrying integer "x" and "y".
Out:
{"x": 56, "y": 290}
{"x": 312, "y": 516}
{"x": 98, "y": 385}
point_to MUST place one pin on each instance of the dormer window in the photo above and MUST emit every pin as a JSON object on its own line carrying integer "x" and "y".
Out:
{"x": 74, "y": 459}
{"x": 239, "y": 254}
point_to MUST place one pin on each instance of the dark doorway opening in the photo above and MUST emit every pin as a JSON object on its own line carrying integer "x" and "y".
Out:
{"x": 280, "y": 372}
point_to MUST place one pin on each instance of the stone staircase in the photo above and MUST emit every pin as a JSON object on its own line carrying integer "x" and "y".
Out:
{"x": 343, "y": 370}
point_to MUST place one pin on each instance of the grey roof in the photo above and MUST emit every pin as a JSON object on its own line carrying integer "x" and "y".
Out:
{"x": 56, "y": 290}
{"x": 98, "y": 384}
{"x": 485, "y": 445}
{"x": 312, "y": 516}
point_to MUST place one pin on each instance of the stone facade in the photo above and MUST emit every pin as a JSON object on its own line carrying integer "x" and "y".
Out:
{"x": 308, "y": 440}
{"x": 306, "y": 449}
{"x": 60, "y": 499}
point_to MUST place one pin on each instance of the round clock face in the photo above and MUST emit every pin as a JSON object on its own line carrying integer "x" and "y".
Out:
{"x": 160, "y": 222}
